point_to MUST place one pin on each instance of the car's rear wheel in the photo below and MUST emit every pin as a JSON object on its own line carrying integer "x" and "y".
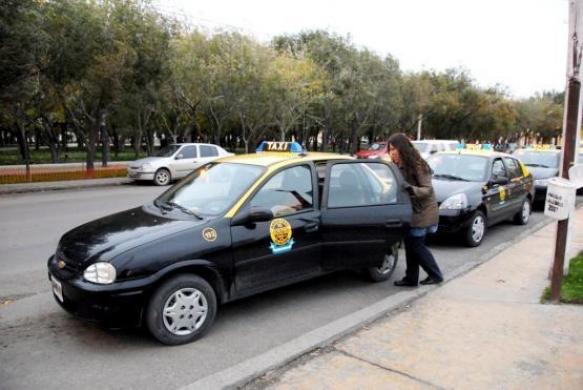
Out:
{"x": 181, "y": 310}
{"x": 522, "y": 217}
{"x": 387, "y": 267}
{"x": 476, "y": 230}
{"x": 162, "y": 177}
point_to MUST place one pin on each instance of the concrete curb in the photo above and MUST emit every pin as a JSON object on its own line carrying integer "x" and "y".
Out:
{"x": 246, "y": 371}
{"x": 7, "y": 189}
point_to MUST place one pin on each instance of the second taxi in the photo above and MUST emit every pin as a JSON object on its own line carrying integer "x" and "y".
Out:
{"x": 476, "y": 188}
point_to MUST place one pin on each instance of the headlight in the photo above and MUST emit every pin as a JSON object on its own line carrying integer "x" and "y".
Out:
{"x": 455, "y": 202}
{"x": 146, "y": 167}
{"x": 100, "y": 273}
{"x": 541, "y": 182}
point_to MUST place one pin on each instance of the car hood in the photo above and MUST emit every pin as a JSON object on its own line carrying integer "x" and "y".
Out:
{"x": 543, "y": 173}
{"x": 446, "y": 188}
{"x": 104, "y": 238}
{"x": 147, "y": 160}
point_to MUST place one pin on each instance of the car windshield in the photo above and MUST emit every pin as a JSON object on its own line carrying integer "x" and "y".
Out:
{"x": 167, "y": 151}
{"x": 538, "y": 159}
{"x": 422, "y": 147}
{"x": 376, "y": 146}
{"x": 211, "y": 189}
{"x": 458, "y": 167}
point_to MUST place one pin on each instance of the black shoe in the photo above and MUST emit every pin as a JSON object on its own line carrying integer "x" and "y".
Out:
{"x": 404, "y": 283}
{"x": 430, "y": 280}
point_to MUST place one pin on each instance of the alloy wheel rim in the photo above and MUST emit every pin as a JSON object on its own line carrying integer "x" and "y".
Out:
{"x": 388, "y": 263}
{"x": 478, "y": 229}
{"x": 162, "y": 177}
{"x": 185, "y": 311}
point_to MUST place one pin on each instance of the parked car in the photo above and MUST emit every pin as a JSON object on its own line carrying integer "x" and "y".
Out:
{"x": 428, "y": 147}
{"x": 376, "y": 150}
{"x": 476, "y": 189}
{"x": 174, "y": 162}
{"x": 233, "y": 228}
{"x": 543, "y": 164}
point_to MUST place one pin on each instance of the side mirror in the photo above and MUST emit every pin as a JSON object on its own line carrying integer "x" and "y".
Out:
{"x": 248, "y": 216}
{"x": 179, "y": 157}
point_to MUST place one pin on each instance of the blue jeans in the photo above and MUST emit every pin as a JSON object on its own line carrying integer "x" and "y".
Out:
{"x": 418, "y": 255}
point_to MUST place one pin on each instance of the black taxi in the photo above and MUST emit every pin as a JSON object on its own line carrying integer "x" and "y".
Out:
{"x": 476, "y": 187}
{"x": 234, "y": 227}
{"x": 543, "y": 163}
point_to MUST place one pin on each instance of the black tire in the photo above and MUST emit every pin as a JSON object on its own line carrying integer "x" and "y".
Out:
{"x": 386, "y": 269}
{"x": 522, "y": 217}
{"x": 158, "y": 324}
{"x": 162, "y": 177}
{"x": 471, "y": 236}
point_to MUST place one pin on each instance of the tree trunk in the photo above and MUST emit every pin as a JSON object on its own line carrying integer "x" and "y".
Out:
{"x": 104, "y": 141}
{"x": 92, "y": 142}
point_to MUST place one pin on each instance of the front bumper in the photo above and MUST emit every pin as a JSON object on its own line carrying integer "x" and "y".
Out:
{"x": 136, "y": 174}
{"x": 116, "y": 305}
{"x": 454, "y": 221}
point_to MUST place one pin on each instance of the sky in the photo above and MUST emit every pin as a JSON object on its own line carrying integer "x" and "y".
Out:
{"x": 520, "y": 45}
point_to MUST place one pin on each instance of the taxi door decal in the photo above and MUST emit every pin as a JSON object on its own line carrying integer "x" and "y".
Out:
{"x": 502, "y": 192}
{"x": 281, "y": 236}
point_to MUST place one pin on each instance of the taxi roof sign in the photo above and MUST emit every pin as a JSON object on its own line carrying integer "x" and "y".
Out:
{"x": 272, "y": 146}
{"x": 541, "y": 147}
{"x": 474, "y": 147}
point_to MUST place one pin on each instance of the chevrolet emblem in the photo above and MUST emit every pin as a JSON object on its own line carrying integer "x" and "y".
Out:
{"x": 61, "y": 264}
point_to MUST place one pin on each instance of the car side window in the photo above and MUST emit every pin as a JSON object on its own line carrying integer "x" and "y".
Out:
{"x": 208, "y": 151}
{"x": 498, "y": 169}
{"x": 188, "y": 152}
{"x": 287, "y": 192}
{"x": 362, "y": 184}
{"x": 514, "y": 170}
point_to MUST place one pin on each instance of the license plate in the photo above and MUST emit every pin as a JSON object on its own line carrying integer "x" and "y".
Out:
{"x": 57, "y": 288}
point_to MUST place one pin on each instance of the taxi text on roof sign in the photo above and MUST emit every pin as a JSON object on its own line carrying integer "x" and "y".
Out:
{"x": 268, "y": 146}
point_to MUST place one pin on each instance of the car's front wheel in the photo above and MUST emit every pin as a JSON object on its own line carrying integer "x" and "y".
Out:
{"x": 387, "y": 267}
{"x": 476, "y": 230}
{"x": 522, "y": 217}
{"x": 181, "y": 310}
{"x": 162, "y": 177}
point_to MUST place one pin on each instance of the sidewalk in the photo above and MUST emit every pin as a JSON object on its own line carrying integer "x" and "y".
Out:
{"x": 484, "y": 330}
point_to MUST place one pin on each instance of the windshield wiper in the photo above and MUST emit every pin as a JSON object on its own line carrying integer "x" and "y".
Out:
{"x": 184, "y": 209}
{"x": 451, "y": 177}
{"x": 162, "y": 206}
{"x": 537, "y": 165}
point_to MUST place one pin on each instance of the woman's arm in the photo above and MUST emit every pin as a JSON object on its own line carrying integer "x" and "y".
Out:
{"x": 424, "y": 189}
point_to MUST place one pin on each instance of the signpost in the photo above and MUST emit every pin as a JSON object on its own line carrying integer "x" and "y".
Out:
{"x": 571, "y": 126}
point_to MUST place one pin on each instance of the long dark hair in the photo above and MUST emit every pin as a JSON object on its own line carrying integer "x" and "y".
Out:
{"x": 411, "y": 160}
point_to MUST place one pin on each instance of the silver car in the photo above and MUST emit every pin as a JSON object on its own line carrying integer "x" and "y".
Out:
{"x": 174, "y": 162}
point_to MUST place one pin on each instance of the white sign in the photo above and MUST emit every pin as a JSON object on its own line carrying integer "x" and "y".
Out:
{"x": 560, "y": 201}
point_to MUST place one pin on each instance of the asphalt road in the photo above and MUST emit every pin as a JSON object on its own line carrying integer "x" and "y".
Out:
{"x": 42, "y": 347}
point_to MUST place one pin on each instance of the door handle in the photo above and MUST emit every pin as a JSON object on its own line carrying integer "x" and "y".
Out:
{"x": 311, "y": 227}
{"x": 391, "y": 223}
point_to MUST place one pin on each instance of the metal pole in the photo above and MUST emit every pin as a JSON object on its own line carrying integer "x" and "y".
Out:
{"x": 419, "y": 123}
{"x": 571, "y": 124}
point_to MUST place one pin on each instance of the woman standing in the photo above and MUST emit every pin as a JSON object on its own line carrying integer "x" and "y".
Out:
{"x": 417, "y": 174}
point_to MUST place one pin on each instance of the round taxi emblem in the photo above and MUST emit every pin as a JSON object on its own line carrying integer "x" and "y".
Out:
{"x": 61, "y": 264}
{"x": 280, "y": 231}
{"x": 209, "y": 234}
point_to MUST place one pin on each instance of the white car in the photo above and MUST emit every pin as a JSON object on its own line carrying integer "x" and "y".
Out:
{"x": 174, "y": 162}
{"x": 431, "y": 146}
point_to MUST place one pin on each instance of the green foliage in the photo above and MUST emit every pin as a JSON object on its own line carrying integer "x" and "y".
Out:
{"x": 117, "y": 70}
{"x": 572, "y": 287}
